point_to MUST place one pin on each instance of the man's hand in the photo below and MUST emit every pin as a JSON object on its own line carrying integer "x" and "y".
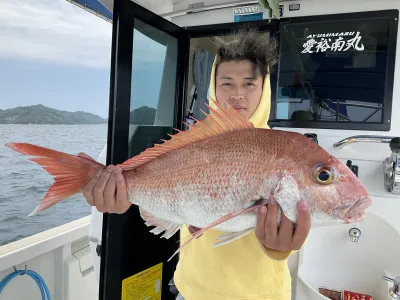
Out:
{"x": 107, "y": 191}
{"x": 288, "y": 236}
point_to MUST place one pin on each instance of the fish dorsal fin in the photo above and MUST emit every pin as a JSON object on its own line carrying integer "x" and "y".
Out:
{"x": 218, "y": 121}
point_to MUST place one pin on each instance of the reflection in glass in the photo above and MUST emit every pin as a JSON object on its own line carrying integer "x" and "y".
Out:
{"x": 154, "y": 68}
{"x": 154, "y": 65}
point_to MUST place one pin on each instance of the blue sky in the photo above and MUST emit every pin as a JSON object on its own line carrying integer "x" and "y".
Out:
{"x": 56, "y": 54}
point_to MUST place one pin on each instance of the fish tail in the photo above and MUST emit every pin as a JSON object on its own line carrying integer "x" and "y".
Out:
{"x": 70, "y": 172}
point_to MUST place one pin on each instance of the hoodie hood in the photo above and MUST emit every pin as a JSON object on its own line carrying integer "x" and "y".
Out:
{"x": 261, "y": 115}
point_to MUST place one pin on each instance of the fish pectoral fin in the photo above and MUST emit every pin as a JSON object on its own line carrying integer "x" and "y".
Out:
{"x": 229, "y": 237}
{"x": 170, "y": 228}
{"x": 287, "y": 195}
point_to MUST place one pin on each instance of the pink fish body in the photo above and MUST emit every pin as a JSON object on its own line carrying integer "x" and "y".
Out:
{"x": 216, "y": 174}
{"x": 207, "y": 180}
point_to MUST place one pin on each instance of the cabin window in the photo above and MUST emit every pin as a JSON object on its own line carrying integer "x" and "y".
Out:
{"x": 154, "y": 66}
{"x": 154, "y": 72}
{"x": 333, "y": 72}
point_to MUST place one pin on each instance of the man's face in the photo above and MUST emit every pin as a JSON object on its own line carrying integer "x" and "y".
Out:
{"x": 240, "y": 85}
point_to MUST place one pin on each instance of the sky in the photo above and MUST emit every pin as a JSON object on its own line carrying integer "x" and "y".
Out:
{"x": 57, "y": 54}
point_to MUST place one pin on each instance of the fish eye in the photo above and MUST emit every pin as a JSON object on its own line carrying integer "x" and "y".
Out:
{"x": 323, "y": 175}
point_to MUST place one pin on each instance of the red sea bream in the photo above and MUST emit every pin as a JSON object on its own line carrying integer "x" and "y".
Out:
{"x": 215, "y": 175}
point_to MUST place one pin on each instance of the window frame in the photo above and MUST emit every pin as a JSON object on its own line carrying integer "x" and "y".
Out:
{"x": 116, "y": 252}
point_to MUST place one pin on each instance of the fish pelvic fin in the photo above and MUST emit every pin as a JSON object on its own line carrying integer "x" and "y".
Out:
{"x": 229, "y": 237}
{"x": 70, "y": 172}
{"x": 218, "y": 121}
{"x": 221, "y": 220}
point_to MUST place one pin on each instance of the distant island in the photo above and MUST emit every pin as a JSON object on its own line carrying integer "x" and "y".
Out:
{"x": 143, "y": 115}
{"x": 40, "y": 114}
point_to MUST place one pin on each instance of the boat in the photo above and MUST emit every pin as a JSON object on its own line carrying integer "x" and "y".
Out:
{"x": 336, "y": 82}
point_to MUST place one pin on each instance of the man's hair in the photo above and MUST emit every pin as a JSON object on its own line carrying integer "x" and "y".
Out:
{"x": 249, "y": 44}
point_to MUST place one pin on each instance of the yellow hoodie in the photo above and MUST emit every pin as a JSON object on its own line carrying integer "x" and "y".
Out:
{"x": 242, "y": 269}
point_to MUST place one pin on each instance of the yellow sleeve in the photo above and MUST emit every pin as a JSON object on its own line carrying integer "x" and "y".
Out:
{"x": 277, "y": 255}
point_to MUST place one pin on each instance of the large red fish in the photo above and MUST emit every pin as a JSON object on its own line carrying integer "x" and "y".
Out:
{"x": 215, "y": 175}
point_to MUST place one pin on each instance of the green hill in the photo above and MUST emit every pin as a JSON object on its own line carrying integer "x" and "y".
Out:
{"x": 40, "y": 114}
{"x": 143, "y": 115}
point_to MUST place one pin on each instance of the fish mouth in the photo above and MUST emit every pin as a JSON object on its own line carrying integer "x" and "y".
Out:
{"x": 356, "y": 212}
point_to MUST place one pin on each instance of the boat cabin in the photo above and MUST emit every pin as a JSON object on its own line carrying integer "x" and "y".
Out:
{"x": 336, "y": 81}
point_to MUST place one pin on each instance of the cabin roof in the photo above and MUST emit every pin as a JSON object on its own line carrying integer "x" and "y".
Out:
{"x": 164, "y": 8}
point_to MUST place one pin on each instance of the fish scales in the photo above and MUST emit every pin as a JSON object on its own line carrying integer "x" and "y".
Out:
{"x": 202, "y": 176}
{"x": 212, "y": 177}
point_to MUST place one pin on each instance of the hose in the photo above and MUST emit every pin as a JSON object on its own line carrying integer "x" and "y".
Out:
{"x": 44, "y": 290}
